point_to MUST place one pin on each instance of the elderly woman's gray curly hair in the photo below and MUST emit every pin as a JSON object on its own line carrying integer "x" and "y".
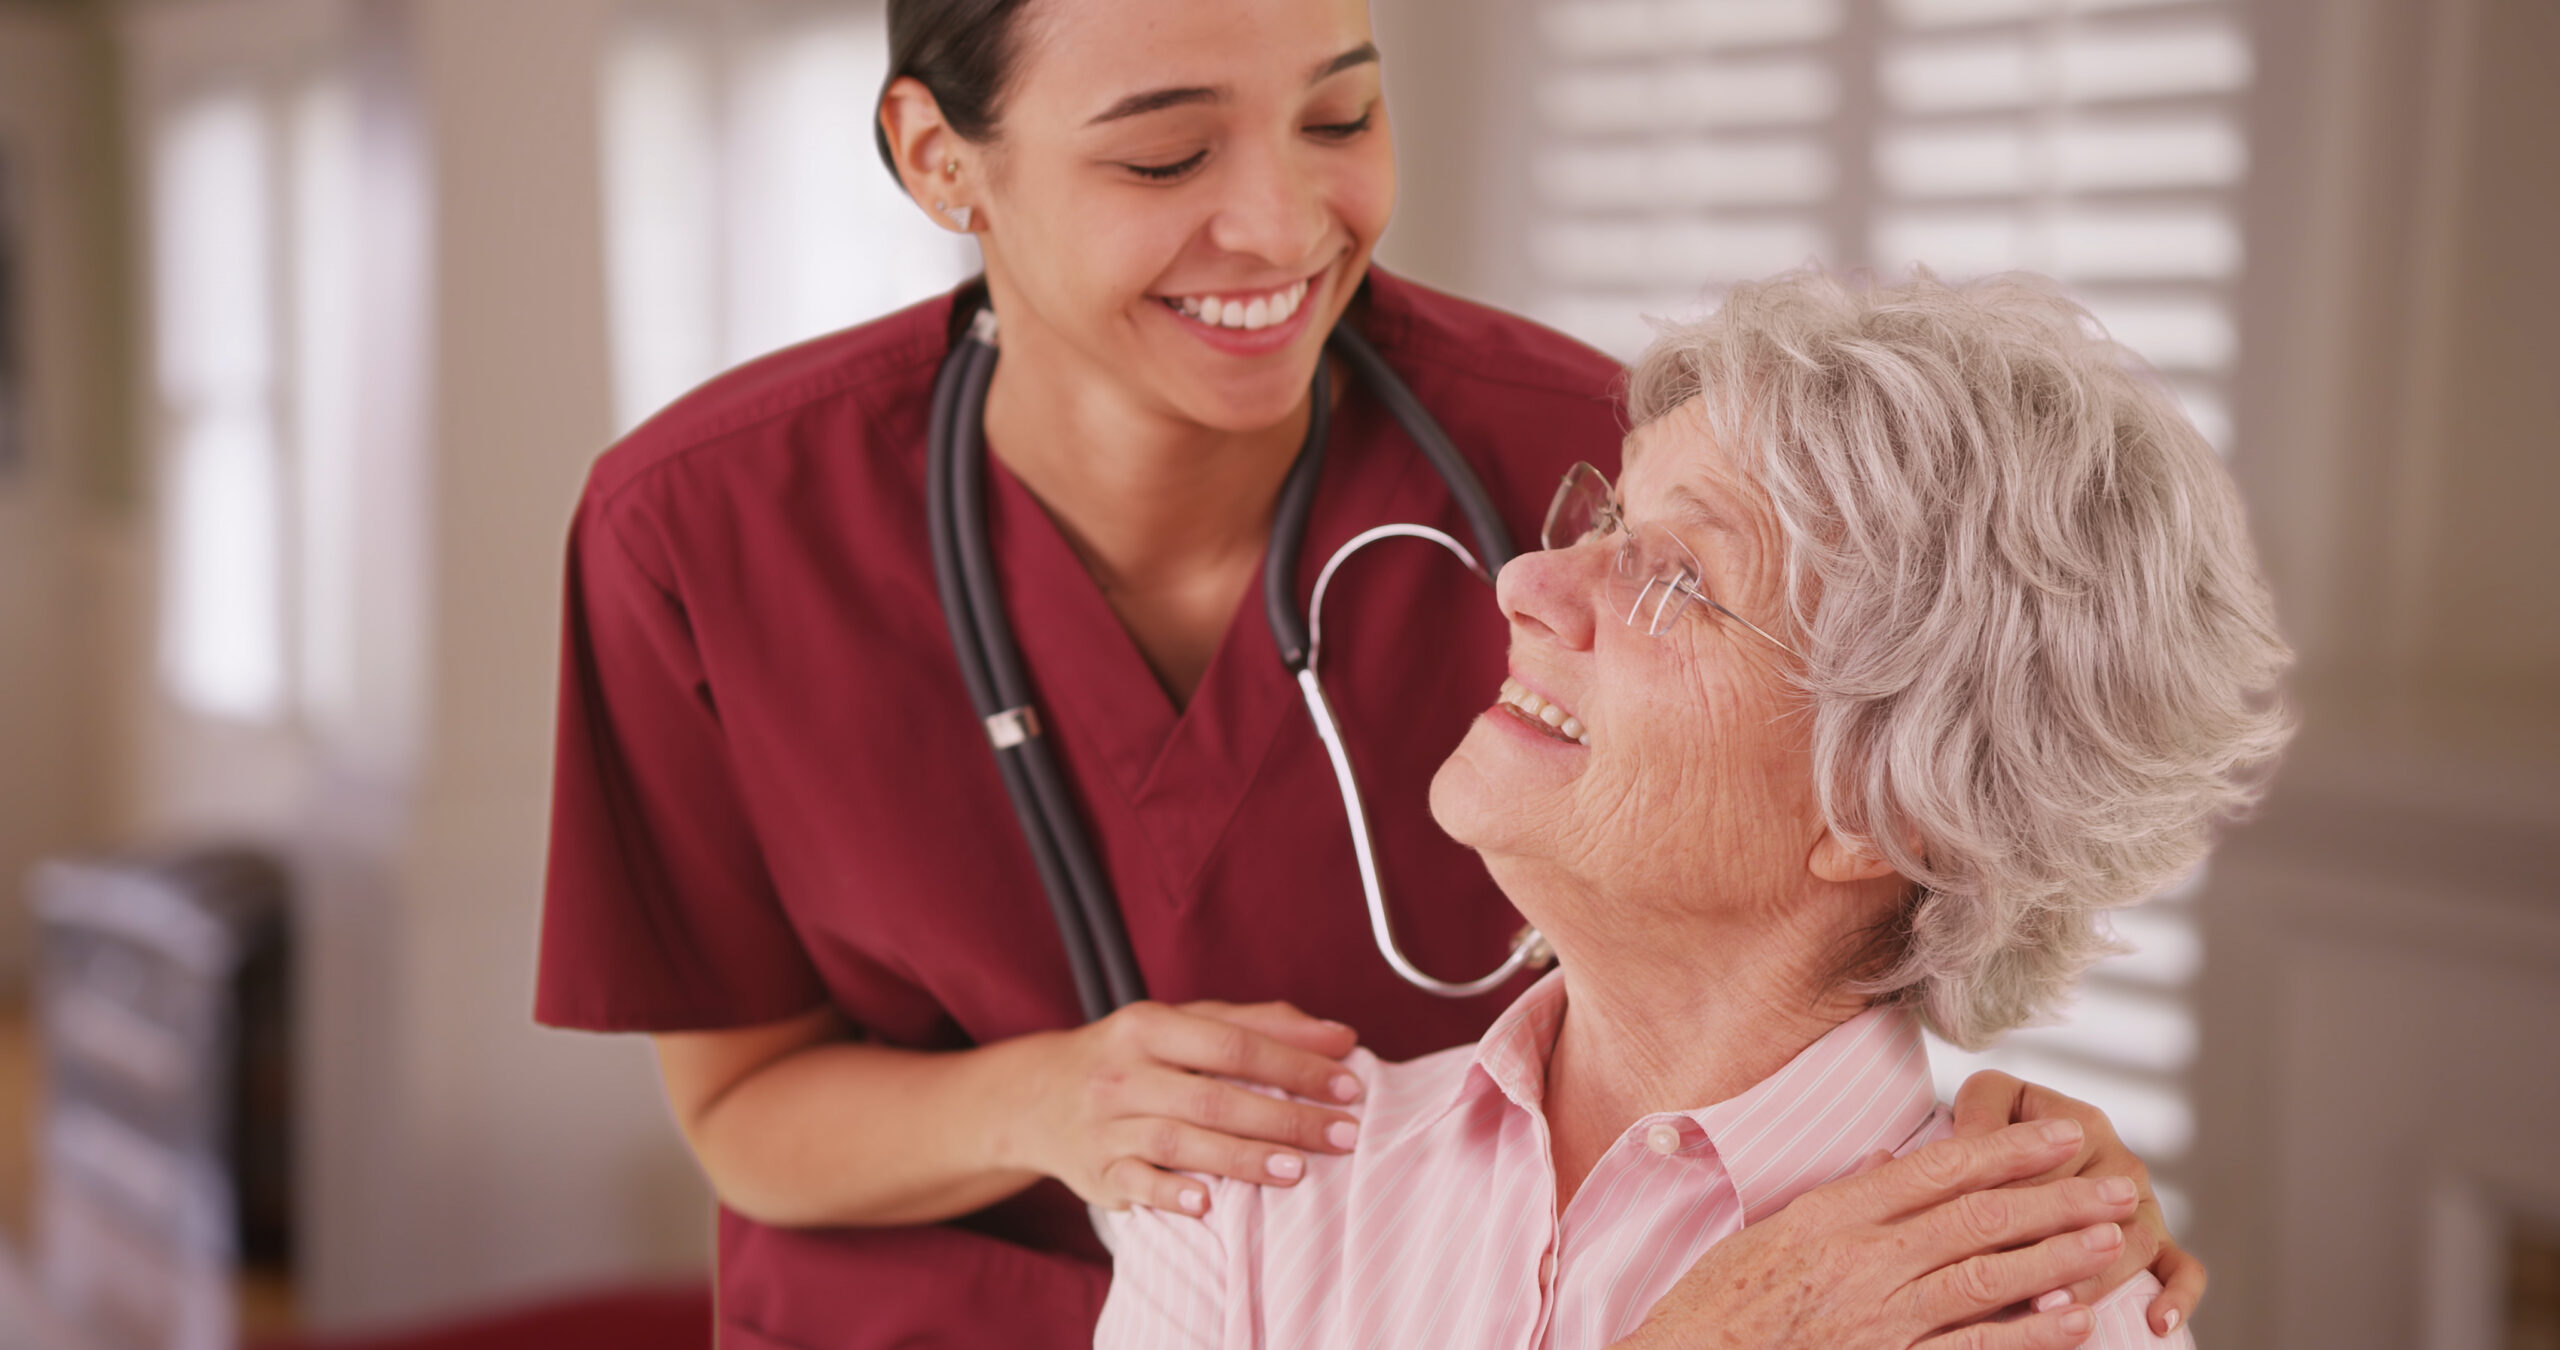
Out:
{"x": 2041, "y": 655}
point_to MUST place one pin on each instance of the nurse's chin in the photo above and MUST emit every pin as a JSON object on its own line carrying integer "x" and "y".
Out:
{"x": 1244, "y": 403}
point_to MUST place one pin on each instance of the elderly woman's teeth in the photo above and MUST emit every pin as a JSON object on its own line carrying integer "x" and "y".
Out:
{"x": 1248, "y": 313}
{"x": 1539, "y": 710}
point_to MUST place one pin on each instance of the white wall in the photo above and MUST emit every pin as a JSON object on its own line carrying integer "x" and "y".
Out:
{"x": 2399, "y": 405}
{"x": 536, "y": 1157}
{"x": 57, "y": 535}
{"x": 1444, "y": 65}
{"x": 2383, "y": 946}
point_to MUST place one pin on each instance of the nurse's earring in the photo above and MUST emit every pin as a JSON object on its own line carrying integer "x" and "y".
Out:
{"x": 958, "y": 215}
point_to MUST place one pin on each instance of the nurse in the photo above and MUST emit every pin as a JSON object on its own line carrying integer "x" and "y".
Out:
{"x": 780, "y": 844}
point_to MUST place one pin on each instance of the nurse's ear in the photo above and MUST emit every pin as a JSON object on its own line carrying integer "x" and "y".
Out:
{"x": 933, "y": 162}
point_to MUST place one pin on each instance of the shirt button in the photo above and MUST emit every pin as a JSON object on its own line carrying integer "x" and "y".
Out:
{"x": 1663, "y": 1138}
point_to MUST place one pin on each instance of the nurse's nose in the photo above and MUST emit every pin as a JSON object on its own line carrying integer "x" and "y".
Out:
{"x": 1555, "y": 594}
{"x": 1273, "y": 208}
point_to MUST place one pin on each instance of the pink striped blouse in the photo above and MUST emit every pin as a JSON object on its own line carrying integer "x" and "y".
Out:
{"x": 1441, "y": 1228}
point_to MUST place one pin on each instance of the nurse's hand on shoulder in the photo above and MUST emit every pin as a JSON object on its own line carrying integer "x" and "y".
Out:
{"x": 1123, "y": 1104}
{"x": 1916, "y": 1253}
{"x": 1990, "y": 1100}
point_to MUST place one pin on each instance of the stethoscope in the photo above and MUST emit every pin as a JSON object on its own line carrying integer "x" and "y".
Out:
{"x": 1080, "y": 895}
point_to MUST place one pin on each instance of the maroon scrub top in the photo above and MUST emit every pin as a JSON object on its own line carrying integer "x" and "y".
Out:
{"x": 772, "y": 792}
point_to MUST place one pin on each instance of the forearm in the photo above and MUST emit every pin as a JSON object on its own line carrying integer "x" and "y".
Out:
{"x": 868, "y": 1135}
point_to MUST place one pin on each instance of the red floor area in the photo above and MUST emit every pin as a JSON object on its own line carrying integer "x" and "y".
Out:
{"x": 630, "y": 1319}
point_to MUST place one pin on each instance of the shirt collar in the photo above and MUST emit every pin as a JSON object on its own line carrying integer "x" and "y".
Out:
{"x": 1512, "y": 1055}
{"x": 1862, "y": 1087}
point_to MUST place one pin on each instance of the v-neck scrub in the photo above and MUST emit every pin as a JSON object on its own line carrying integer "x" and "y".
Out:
{"x": 771, "y": 792}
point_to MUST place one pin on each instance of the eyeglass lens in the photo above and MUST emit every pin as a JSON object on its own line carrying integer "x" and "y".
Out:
{"x": 1651, "y": 576}
{"x": 1584, "y": 506}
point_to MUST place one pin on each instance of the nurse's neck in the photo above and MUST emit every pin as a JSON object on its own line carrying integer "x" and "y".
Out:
{"x": 1169, "y": 517}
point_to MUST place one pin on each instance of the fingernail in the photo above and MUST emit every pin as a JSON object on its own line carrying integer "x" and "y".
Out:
{"x": 2116, "y": 1190}
{"x": 1345, "y": 1088}
{"x": 1342, "y": 1134}
{"x": 2062, "y": 1131}
{"x": 2078, "y": 1322}
{"x": 2168, "y": 1321}
{"x": 2048, "y": 1302}
{"x": 1193, "y": 1200}
{"x": 2105, "y": 1237}
{"x": 1285, "y": 1166}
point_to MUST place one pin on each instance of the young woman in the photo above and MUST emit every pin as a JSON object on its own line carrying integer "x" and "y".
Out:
{"x": 780, "y": 843}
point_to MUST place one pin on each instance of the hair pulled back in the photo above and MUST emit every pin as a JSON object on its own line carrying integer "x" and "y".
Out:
{"x": 962, "y": 51}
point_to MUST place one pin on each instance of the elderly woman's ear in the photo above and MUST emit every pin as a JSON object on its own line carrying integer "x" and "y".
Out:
{"x": 1842, "y": 860}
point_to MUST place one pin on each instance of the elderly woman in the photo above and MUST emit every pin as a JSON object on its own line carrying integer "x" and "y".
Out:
{"x": 1921, "y": 630}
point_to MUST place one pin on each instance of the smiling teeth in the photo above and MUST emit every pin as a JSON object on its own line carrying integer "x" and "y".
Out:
{"x": 1261, "y": 311}
{"x": 1517, "y": 695}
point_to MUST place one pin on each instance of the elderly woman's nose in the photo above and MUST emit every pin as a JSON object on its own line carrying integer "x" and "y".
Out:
{"x": 1553, "y": 592}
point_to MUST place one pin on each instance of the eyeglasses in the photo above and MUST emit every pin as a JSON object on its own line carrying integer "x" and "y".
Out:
{"x": 1655, "y": 576}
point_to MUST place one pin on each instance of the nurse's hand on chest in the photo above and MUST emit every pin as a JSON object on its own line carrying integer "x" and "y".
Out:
{"x": 1117, "y": 1108}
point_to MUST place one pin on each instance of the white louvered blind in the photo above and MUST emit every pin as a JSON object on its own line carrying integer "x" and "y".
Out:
{"x": 1683, "y": 145}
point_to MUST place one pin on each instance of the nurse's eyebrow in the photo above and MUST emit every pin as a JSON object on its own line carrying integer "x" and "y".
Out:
{"x": 1366, "y": 54}
{"x": 1157, "y": 100}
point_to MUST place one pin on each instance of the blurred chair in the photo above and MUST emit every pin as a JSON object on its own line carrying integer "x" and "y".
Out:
{"x": 164, "y": 1151}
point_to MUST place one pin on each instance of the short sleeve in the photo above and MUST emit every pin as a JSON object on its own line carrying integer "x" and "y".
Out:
{"x": 659, "y": 913}
{"x": 1169, "y": 1285}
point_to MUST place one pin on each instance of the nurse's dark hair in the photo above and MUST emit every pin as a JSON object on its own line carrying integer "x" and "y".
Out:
{"x": 961, "y": 50}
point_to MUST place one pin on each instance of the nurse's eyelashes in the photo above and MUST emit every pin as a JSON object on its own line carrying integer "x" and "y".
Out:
{"x": 1247, "y": 312}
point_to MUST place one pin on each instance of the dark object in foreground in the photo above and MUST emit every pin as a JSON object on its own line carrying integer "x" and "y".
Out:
{"x": 164, "y": 1004}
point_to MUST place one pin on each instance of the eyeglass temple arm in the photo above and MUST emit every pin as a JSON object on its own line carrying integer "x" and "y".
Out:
{"x": 1712, "y": 603}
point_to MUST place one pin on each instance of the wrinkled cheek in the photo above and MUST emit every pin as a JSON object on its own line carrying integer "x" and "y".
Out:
{"x": 1684, "y": 778}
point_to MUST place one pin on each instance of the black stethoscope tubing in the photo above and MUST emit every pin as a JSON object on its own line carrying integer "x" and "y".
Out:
{"x": 1080, "y": 896}
{"x": 1088, "y": 918}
